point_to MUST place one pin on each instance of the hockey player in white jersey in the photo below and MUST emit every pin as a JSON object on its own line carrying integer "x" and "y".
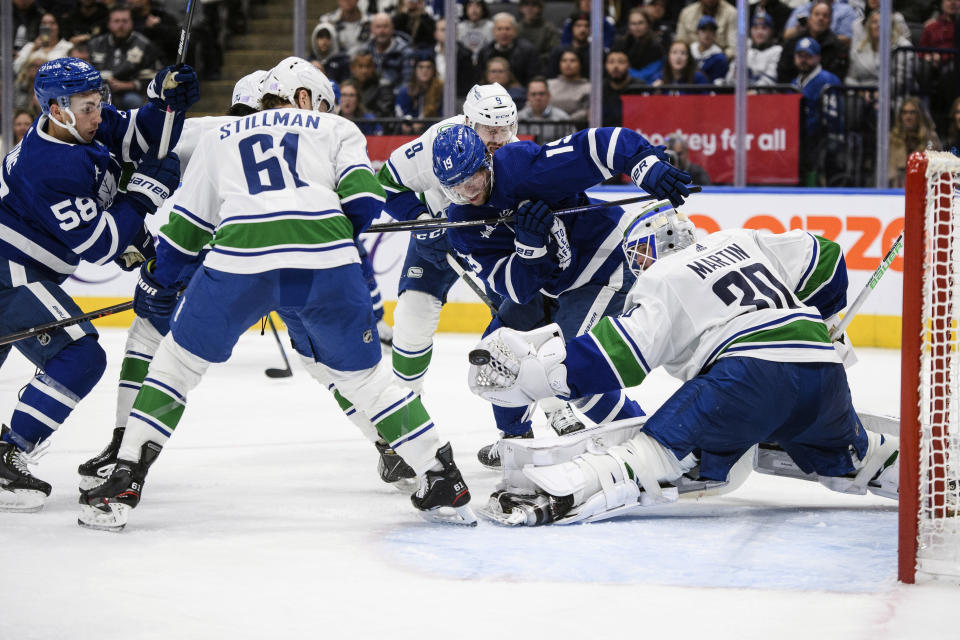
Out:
{"x": 59, "y": 205}
{"x": 144, "y": 335}
{"x": 737, "y": 315}
{"x": 414, "y": 192}
{"x": 279, "y": 197}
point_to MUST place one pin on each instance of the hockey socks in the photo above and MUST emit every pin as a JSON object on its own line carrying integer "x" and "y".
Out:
{"x": 50, "y": 397}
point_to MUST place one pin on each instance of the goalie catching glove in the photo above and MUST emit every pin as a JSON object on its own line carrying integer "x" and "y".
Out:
{"x": 523, "y": 367}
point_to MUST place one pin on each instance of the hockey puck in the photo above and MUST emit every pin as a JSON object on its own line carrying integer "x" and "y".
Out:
{"x": 479, "y": 357}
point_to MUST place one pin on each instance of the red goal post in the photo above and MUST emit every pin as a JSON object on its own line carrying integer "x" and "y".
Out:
{"x": 929, "y": 539}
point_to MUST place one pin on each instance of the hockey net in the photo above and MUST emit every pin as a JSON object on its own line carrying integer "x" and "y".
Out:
{"x": 930, "y": 376}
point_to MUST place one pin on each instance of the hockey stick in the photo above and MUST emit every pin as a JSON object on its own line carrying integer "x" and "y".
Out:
{"x": 169, "y": 82}
{"x": 278, "y": 373}
{"x": 454, "y": 263}
{"x": 852, "y": 310}
{"x": 66, "y": 322}
{"x": 442, "y": 223}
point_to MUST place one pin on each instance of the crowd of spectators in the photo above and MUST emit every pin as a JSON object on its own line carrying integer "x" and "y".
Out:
{"x": 388, "y": 55}
{"x": 127, "y": 40}
{"x": 663, "y": 46}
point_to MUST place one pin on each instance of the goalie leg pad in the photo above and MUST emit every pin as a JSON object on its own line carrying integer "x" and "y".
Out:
{"x": 878, "y": 471}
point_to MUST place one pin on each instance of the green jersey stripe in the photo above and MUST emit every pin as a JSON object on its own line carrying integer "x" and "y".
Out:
{"x": 800, "y": 330}
{"x": 385, "y": 178}
{"x": 360, "y": 181}
{"x": 184, "y": 234}
{"x": 271, "y": 233}
{"x": 159, "y": 405}
{"x": 825, "y": 269}
{"x": 403, "y": 420}
{"x": 616, "y": 348}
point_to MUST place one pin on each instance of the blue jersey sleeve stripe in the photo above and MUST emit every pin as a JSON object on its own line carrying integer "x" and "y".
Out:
{"x": 128, "y": 135}
{"x": 508, "y": 277}
{"x": 814, "y": 257}
{"x": 352, "y": 168}
{"x": 395, "y": 173}
{"x": 94, "y": 235}
{"x": 203, "y": 224}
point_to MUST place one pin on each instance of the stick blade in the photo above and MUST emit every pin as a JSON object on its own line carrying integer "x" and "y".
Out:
{"x": 278, "y": 373}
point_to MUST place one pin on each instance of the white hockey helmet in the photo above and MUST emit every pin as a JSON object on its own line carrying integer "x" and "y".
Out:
{"x": 492, "y": 113}
{"x": 295, "y": 73}
{"x": 657, "y": 232}
{"x": 247, "y": 89}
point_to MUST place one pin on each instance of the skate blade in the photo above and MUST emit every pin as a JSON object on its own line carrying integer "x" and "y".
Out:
{"x": 94, "y": 518}
{"x": 21, "y": 500}
{"x": 461, "y": 516}
{"x": 406, "y": 486}
{"x": 91, "y": 482}
{"x": 492, "y": 511}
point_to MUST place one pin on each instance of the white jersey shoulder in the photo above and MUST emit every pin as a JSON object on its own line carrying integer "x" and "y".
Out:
{"x": 412, "y": 165}
{"x": 193, "y": 130}
{"x": 722, "y": 296}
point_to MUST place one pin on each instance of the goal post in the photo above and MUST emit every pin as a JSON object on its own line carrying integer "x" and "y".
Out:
{"x": 929, "y": 538}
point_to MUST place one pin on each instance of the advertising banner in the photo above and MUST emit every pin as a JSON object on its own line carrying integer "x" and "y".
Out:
{"x": 773, "y": 143}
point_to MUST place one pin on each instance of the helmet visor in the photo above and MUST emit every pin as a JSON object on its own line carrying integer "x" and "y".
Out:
{"x": 474, "y": 190}
{"x": 496, "y": 136}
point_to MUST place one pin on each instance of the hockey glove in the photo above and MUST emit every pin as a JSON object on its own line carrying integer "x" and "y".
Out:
{"x": 141, "y": 250}
{"x": 154, "y": 180}
{"x": 532, "y": 229}
{"x": 152, "y": 300}
{"x": 652, "y": 173}
{"x": 179, "y": 88}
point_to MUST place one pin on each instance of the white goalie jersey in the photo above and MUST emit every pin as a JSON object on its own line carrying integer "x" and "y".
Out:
{"x": 733, "y": 293}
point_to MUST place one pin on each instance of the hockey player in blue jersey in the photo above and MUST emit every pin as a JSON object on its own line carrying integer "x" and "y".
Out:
{"x": 575, "y": 263}
{"x": 59, "y": 204}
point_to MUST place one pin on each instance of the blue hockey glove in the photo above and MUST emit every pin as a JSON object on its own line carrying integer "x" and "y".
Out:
{"x": 141, "y": 250}
{"x": 152, "y": 300}
{"x": 175, "y": 87}
{"x": 652, "y": 173}
{"x": 154, "y": 180}
{"x": 433, "y": 246}
{"x": 532, "y": 229}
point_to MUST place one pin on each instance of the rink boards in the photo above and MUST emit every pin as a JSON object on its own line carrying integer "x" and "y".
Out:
{"x": 864, "y": 221}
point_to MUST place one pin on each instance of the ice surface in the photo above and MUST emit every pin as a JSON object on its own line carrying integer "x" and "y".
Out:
{"x": 265, "y": 518}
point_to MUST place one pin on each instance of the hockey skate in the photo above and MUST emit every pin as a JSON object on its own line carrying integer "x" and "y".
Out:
{"x": 393, "y": 470}
{"x": 516, "y": 509}
{"x": 564, "y": 420}
{"x": 443, "y": 491}
{"x": 97, "y": 469}
{"x": 489, "y": 456}
{"x": 385, "y": 332}
{"x": 20, "y": 491}
{"x": 107, "y": 507}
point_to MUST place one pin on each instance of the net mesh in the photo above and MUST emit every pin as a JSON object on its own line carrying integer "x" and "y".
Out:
{"x": 939, "y": 509}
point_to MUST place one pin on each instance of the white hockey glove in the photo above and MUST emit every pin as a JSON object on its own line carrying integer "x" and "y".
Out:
{"x": 842, "y": 342}
{"x": 520, "y": 367}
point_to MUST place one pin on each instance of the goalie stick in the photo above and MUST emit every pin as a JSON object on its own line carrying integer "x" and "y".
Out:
{"x": 278, "y": 373}
{"x": 181, "y": 57}
{"x": 443, "y": 223}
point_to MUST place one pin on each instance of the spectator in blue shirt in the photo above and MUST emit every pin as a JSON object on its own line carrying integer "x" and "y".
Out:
{"x": 822, "y": 125}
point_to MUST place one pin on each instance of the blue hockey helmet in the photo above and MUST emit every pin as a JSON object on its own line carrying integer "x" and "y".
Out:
{"x": 458, "y": 154}
{"x": 657, "y": 232}
{"x": 61, "y": 78}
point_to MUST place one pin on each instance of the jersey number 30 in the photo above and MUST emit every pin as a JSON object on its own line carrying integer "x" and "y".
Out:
{"x": 757, "y": 288}
{"x": 261, "y": 164}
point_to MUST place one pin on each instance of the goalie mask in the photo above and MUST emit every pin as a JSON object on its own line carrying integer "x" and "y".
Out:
{"x": 657, "y": 232}
{"x": 293, "y": 74}
{"x": 462, "y": 165}
{"x": 492, "y": 113}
